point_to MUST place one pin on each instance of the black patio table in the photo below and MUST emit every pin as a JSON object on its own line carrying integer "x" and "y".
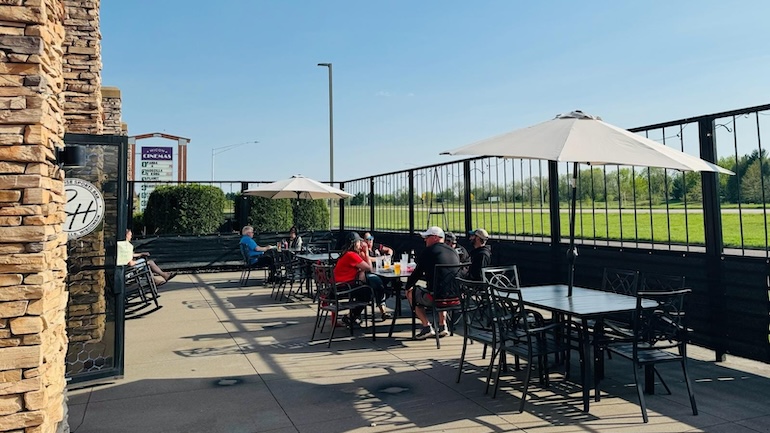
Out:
{"x": 396, "y": 279}
{"x": 309, "y": 259}
{"x": 584, "y": 304}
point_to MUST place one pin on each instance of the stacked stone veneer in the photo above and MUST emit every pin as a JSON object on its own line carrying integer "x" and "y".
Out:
{"x": 111, "y": 104}
{"x": 82, "y": 66}
{"x": 32, "y": 247}
{"x": 84, "y": 114}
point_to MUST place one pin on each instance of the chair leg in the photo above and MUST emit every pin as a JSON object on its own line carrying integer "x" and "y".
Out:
{"x": 640, "y": 392}
{"x": 490, "y": 368}
{"x": 462, "y": 358}
{"x": 374, "y": 323}
{"x": 497, "y": 376}
{"x": 334, "y": 326}
{"x": 527, "y": 376}
{"x": 689, "y": 387}
{"x": 317, "y": 323}
{"x": 662, "y": 382}
{"x": 435, "y": 323}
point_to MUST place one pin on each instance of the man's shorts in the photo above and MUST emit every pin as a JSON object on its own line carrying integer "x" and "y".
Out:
{"x": 422, "y": 296}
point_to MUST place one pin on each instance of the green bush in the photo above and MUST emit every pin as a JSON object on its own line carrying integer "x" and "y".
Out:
{"x": 312, "y": 215}
{"x": 137, "y": 222}
{"x": 268, "y": 215}
{"x": 184, "y": 209}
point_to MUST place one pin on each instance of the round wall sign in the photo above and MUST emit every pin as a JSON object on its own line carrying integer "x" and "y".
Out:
{"x": 84, "y": 208}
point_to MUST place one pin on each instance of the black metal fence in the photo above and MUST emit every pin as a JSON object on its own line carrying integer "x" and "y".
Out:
{"x": 623, "y": 206}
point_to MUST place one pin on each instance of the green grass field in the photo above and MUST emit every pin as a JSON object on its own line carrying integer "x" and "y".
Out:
{"x": 675, "y": 227}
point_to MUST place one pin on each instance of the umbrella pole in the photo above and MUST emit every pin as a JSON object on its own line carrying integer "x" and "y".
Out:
{"x": 572, "y": 251}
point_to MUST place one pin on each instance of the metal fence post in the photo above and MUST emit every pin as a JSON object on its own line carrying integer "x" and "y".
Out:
{"x": 411, "y": 201}
{"x": 555, "y": 211}
{"x": 342, "y": 210}
{"x": 467, "y": 196}
{"x": 244, "y": 209}
{"x": 371, "y": 204}
{"x": 712, "y": 221}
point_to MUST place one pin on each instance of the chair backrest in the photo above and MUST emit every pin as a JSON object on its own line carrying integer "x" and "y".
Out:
{"x": 445, "y": 283}
{"x": 319, "y": 247}
{"x": 510, "y": 316}
{"x": 244, "y": 253}
{"x": 623, "y": 281}
{"x": 663, "y": 326}
{"x": 660, "y": 282}
{"x": 476, "y": 305}
{"x": 503, "y": 276}
{"x": 509, "y": 272}
{"x": 323, "y": 277}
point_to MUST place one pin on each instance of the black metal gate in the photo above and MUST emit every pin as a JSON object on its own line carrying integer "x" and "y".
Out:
{"x": 95, "y": 310}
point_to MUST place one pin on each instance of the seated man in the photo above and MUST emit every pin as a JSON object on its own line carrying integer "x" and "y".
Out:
{"x": 437, "y": 252}
{"x": 451, "y": 240}
{"x": 138, "y": 257}
{"x": 256, "y": 253}
{"x": 481, "y": 254}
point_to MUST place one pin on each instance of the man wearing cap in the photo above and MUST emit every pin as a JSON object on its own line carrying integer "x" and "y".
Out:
{"x": 437, "y": 252}
{"x": 481, "y": 254}
{"x": 451, "y": 240}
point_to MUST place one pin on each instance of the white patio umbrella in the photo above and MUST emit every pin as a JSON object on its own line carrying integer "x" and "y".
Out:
{"x": 581, "y": 138}
{"x": 299, "y": 187}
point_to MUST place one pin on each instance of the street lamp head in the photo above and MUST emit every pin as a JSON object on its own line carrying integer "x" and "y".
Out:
{"x": 328, "y": 65}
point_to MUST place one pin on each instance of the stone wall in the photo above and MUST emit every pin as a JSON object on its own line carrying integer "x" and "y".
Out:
{"x": 84, "y": 114}
{"x": 111, "y": 106}
{"x": 82, "y": 67}
{"x": 32, "y": 245}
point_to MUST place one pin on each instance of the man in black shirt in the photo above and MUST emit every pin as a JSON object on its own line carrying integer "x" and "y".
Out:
{"x": 481, "y": 254}
{"x": 451, "y": 240}
{"x": 437, "y": 252}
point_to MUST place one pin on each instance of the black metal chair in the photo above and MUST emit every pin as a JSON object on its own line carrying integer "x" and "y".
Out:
{"x": 524, "y": 334}
{"x": 140, "y": 287}
{"x": 248, "y": 266}
{"x": 336, "y": 297}
{"x": 478, "y": 321}
{"x": 660, "y": 336}
{"x": 446, "y": 297}
{"x": 510, "y": 272}
{"x": 660, "y": 282}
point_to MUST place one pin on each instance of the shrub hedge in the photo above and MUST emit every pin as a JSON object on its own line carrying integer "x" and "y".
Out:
{"x": 189, "y": 209}
{"x": 268, "y": 215}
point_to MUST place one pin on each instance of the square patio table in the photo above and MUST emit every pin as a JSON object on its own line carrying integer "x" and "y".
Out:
{"x": 584, "y": 304}
{"x": 309, "y": 259}
{"x": 398, "y": 285}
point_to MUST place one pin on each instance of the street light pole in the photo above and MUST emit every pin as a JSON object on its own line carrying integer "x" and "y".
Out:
{"x": 217, "y": 150}
{"x": 331, "y": 139}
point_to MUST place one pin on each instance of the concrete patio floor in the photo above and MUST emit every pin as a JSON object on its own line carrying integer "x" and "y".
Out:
{"x": 222, "y": 358}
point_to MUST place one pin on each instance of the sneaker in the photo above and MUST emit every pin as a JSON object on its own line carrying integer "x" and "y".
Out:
{"x": 442, "y": 331}
{"x": 350, "y": 323}
{"x": 386, "y": 316}
{"x": 425, "y": 332}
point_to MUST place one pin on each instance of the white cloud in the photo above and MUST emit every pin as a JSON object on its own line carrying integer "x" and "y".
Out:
{"x": 382, "y": 93}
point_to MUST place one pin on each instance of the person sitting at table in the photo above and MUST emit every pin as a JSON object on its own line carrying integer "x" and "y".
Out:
{"x": 437, "y": 252}
{"x": 353, "y": 266}
{"x": 376, "y": 250}
{"x": 295, "y": 240}
{"x": 257, "y": 255}
{"x": 387, "y": 290}
{"x": 451, "y": 240}
{"x": 481, "y": 255}
{"x": 138, "y": 257}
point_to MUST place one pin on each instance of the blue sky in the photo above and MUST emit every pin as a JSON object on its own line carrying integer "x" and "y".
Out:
{"x": 414, "y": 78}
